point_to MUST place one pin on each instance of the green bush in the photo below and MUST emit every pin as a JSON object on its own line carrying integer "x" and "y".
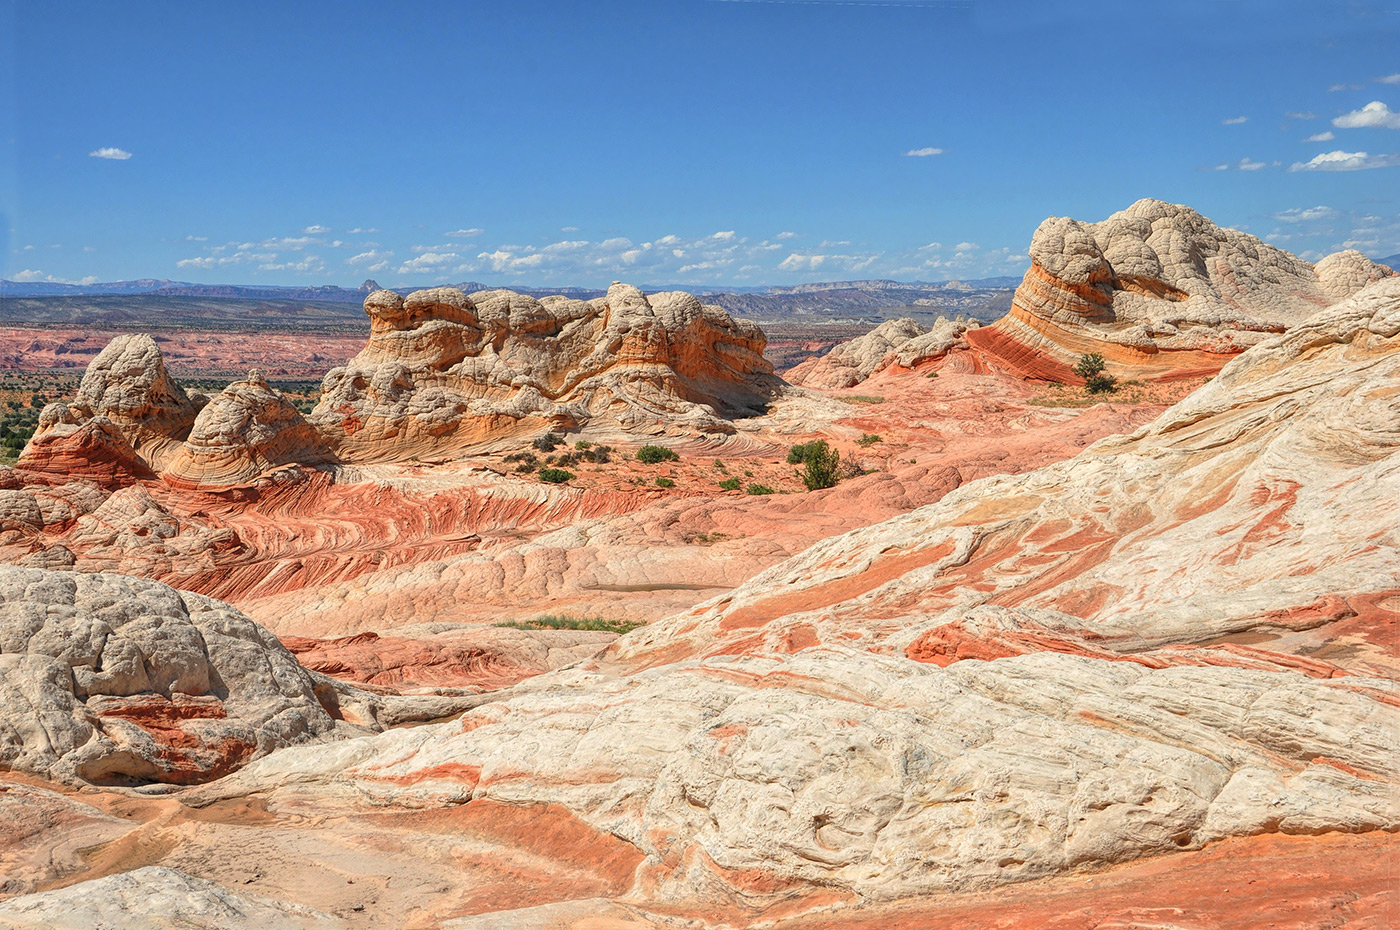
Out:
{"x": 548, "y": 442}
{"x": 821, "y": 464}
{"x": 555, "y": 475}
{"x": 565, "y": 622}
{"x": 759, "y": 489}
{"x": 665, "y": 483}
{"x": 1088, "y": 365}
{"x": 1101, "y": 384}
{"x": 730, "y": 484}
{"x": 869, "y": 439}
{"x": 654, "y": 455}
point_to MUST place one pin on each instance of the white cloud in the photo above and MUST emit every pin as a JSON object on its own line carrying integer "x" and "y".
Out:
{"x": 498, "y": 260}
{"x": 309, "y": 264}
{"x": 112, "y": 154}
{"x": 316, "y": 230}
{"x": 786, "y": 235}
{"x": 1301, "y": 114}
{"x": 795, "y": 262}
{"x": 362, "y": 229}
{"x": 723, "y": 236}
{"x": 1234, "y": 121}
{"x": 428, "y": 261}
{"x": 1321, "y": 137}
{"x": 1248, "y": 164}
{"x": 568, "y": 229}
{"x": 923, "y": 153}
{"x": 196, "y": 238}
{"x": 288, "y": 242}
{"x": 1389, "y": 79}
{"x": 464, "y": 233}
{"x": 1221, "y": 168}
{"x": 31, "y": 275}
{"x": 368, "y": 258}
{"x": 1303, "y": 215}
{"x": 1374, "y": 115}
{"x": 1346, "y": 161}
{"x": 1336, "y": 87}
{"x": 966, "y": 247}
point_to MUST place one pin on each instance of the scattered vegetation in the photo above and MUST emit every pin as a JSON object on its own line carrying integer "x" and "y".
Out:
{"x": 864, "y": 399}
{"x": 730, "y": 484}
{"x": 760, "y": 489}
{"x": 820, "y": 464}
{"x": 655, "y": 455}
{"x": 720, "y": 466}
{"x": 555, "y": 475}
{"x": 665, "y": 483}
{"x": 869, "y": 439}
{"x": 548, "y": 442}
{"x": 565, "y": 622}
{"x": 932, "y": 374}
{"x": 1096, "y": 381}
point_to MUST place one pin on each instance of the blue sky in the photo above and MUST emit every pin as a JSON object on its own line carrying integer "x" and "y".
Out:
{"x": 725, "y": 142}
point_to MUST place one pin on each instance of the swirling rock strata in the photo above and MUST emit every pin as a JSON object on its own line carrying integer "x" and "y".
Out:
{"x": 446, "y": 370}
{"x": 1159, "y": 291}
{"x": 903, "y": 342}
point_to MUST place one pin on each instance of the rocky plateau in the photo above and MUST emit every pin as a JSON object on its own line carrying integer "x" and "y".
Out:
{"x": 1039, "y": 659}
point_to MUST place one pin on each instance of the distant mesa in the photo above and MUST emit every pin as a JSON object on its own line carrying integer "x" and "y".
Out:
{"x": 1160, "y": 291}
{"x": 446, "y": 370}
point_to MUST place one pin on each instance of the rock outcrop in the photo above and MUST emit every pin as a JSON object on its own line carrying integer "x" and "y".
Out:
{"x": 444, "y": 370}
{"x": 1034, "y": 675}
{"x": 108, "y": 679}
{"x": 903, "y": 342}
{"x": 244, "y": 432}
{"x": 127, "y": 384}
{"x": 1159, "y": 291}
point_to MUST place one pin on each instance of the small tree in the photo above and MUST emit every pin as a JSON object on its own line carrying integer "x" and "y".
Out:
{"x": 555, "y": 475}
{"x": 821, "y": 464}
{"x": 1096, "y": 381}
{"x": 654, "y": 455}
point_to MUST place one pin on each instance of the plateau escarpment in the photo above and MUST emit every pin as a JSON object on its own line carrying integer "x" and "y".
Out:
{"x": 445, "y": 371}
{"x": 1159, "y": 291}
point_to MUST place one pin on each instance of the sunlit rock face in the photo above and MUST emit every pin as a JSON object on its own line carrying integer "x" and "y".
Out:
{"x": 1159, "y": 291}
{"x": 444, "y": 370}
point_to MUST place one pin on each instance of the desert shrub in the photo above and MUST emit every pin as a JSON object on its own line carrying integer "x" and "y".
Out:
{"x": 555, "y": 475}
{"x": 583, "y": 445}
{"x": 665, "y": 483}
{"x": 719, "y": 464}
{"x": 1101, "y": 384}
{"x": 730, "y": 484}
{"x": 759, "y": 489}
{"x": 1088, "y": 365}
{"x": 820, "y": 464}
{"x": 849, "y": 468}
{"x": 565, "y": 622}
{"x": 548, "y": 442}
{"x": 654, "y": 455}
{"x": 864, "y": 399}
{"x": 869, "y": 439}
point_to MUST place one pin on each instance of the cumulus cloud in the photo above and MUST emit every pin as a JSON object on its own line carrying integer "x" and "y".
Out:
{"x": 464, "y": 233}
{"x": 723, "y": 235}
{"x": 362, "y": 229}
{"x": 428, "y": 262}
{"x": 568, "y": 229}
{"x": 1234, "y": 121}
{"x": 1249, "y": 164}
{"x": 786, "y": 235}
{"x": 309, "y": 264}
{"x": 31, "y": 275}
{"x": 1389, "y": 79}
{"x": 112, "y": 154}
{"x": 371, "y": 257}
{"x": 923, "y": 153}
{"x": 965, "y": 247}
{"x": 1306, "y": 214}
{"x": 316, "y": 230}
{"x": 1346, "y": 161}
{"x": 795, "y": 262}
{"x": 1336, "y": 87}
{"x": 196, "y": 238}
{"x": 1374, "y": 115}
{"x": 1321, "y": 137}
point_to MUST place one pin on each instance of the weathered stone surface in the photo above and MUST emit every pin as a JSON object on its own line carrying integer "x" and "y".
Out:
{"x": 110, "y": 679}
{"x": 94, "y": 450}
{"x": 443, "y": 370}
{"x": 244, "y": 432}
{"x": 157, "y": 898}
{"x": 1159, "y": 291}
{"x": 901, "y": 342}
{"x": 128, "y": 385}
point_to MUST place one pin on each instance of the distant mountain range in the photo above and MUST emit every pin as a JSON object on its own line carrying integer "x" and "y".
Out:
{"x": 1392, "y": 260}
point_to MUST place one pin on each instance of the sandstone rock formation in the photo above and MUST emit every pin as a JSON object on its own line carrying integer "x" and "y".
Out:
{"x": 1036, "y": 674}
{"x": 1159, "y": 291}
{"x": 901, "y": 342}
{"x": 242, "y": 433}
{"x": 108, "y": 679}
{"x": 443, "y": 370}
{"x": 127, "y": 384}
